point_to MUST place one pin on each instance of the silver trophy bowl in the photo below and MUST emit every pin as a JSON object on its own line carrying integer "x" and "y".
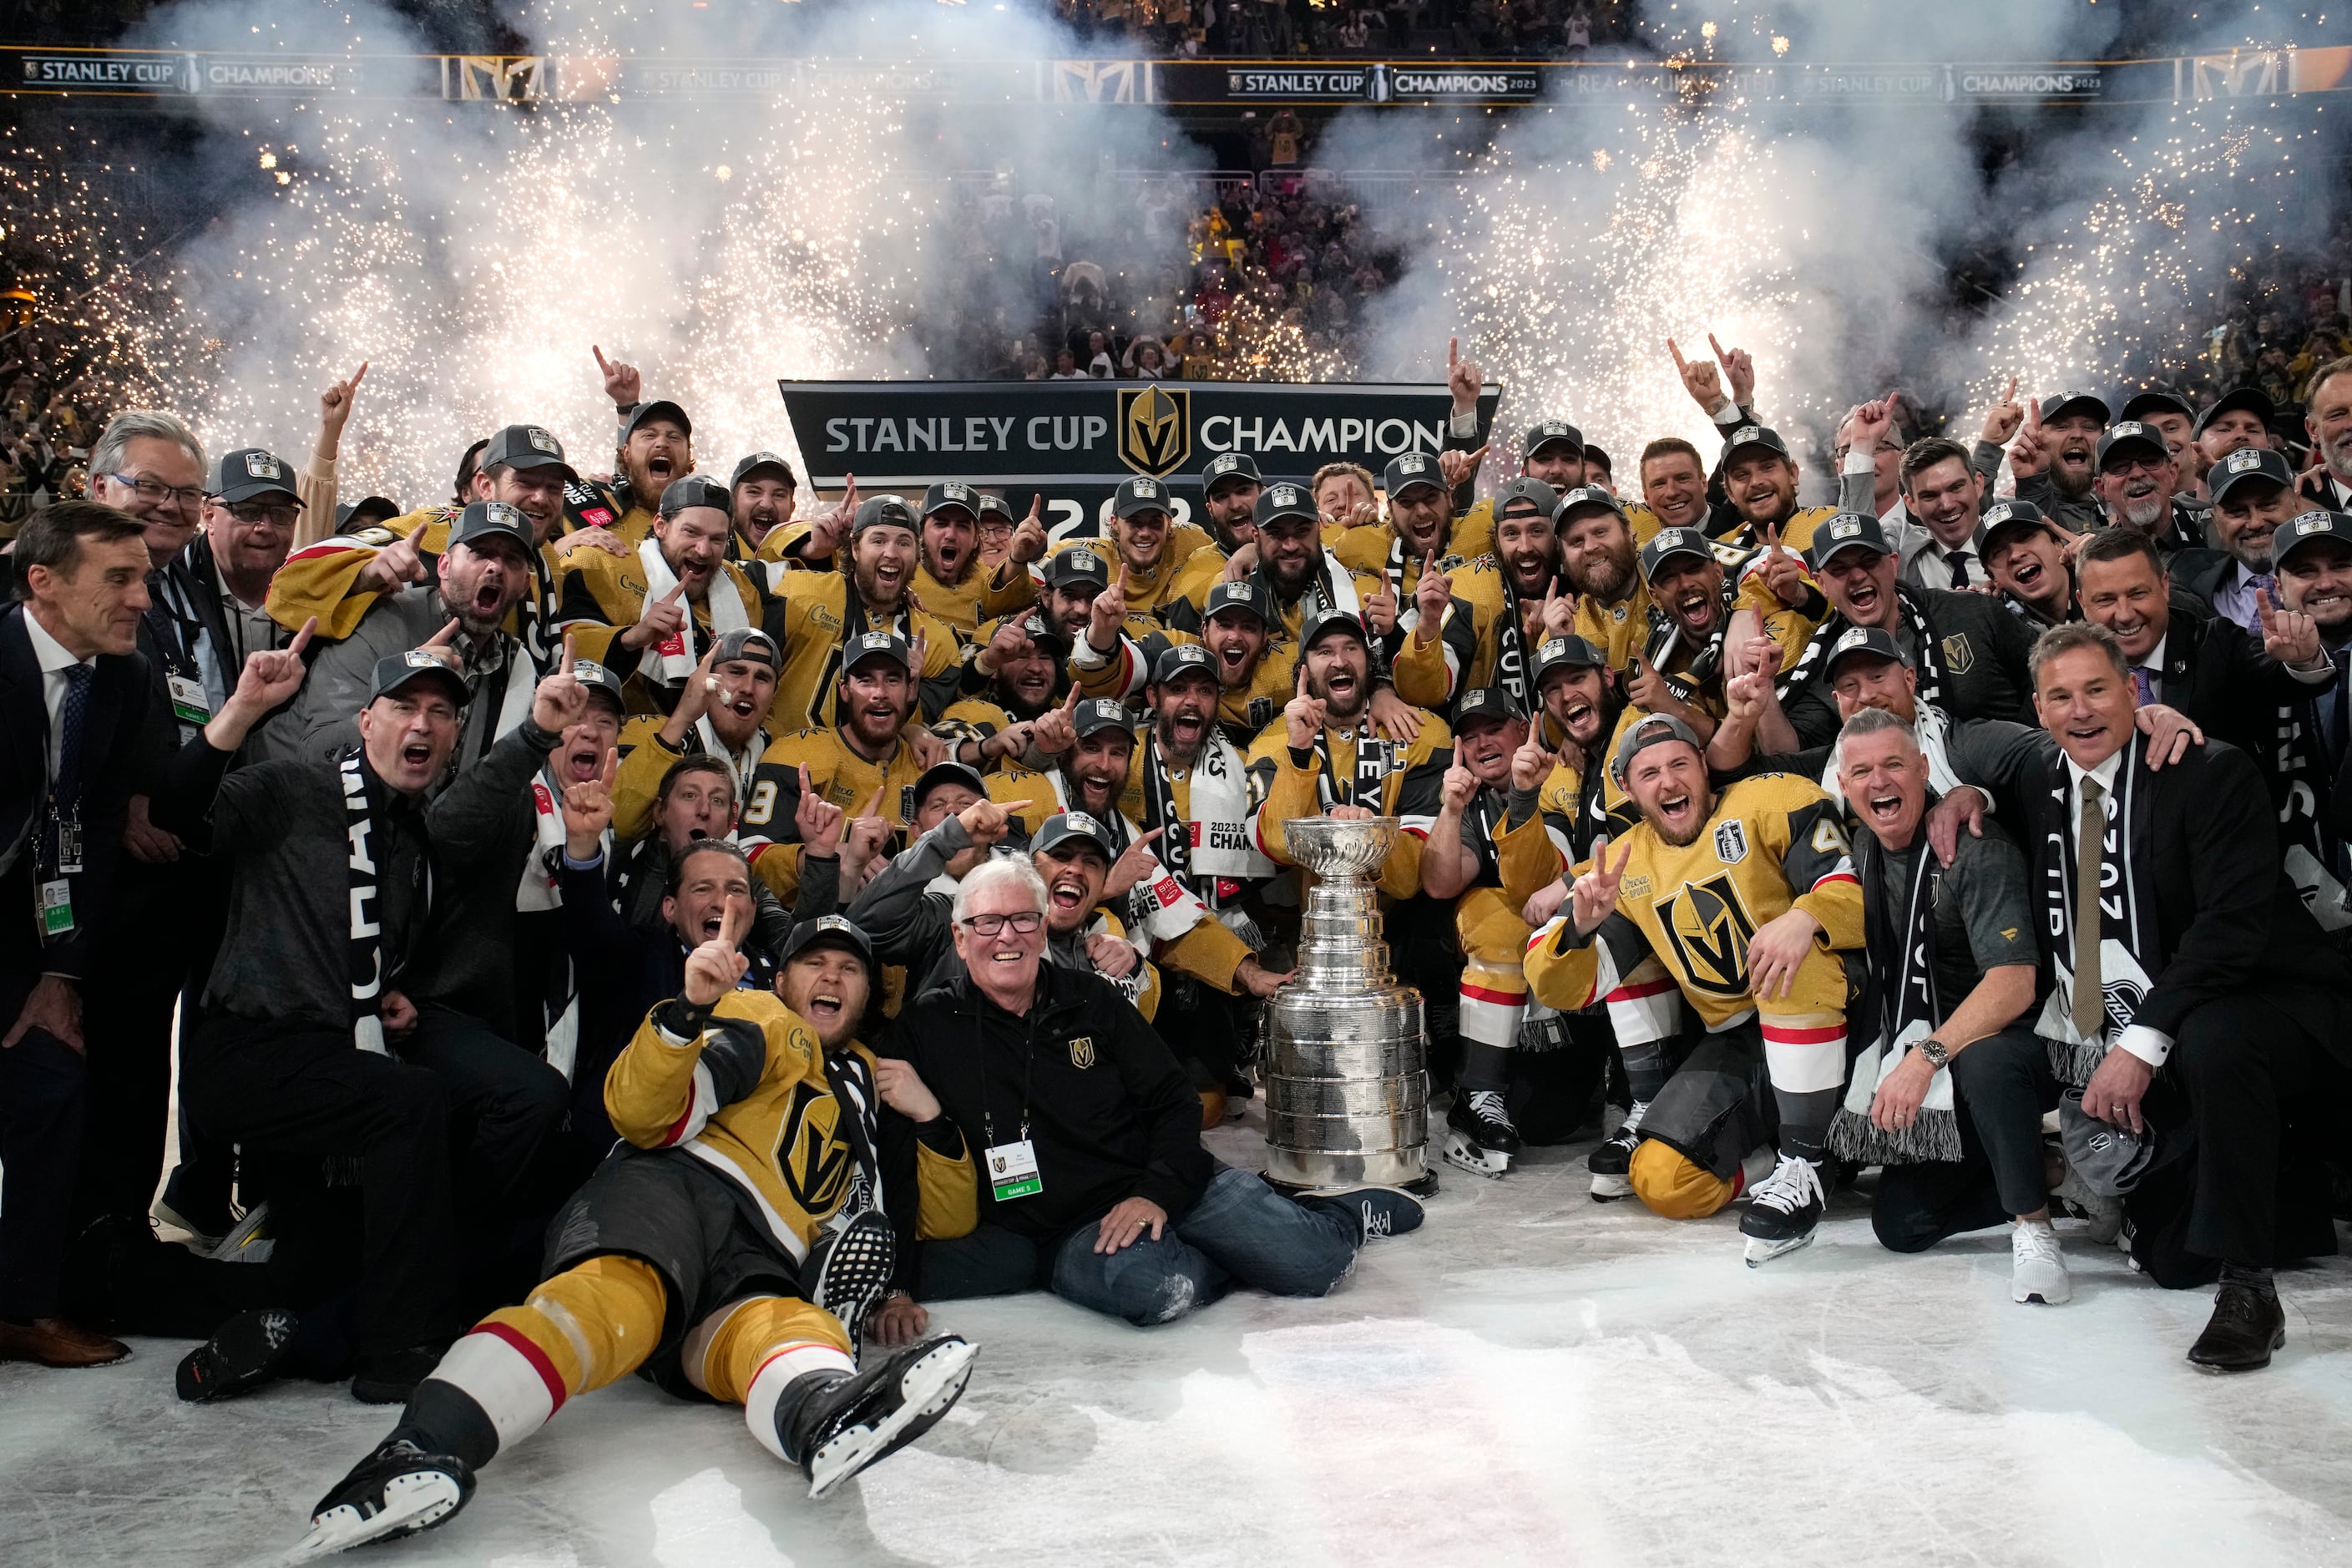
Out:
{"x": 1347, "y": 1086}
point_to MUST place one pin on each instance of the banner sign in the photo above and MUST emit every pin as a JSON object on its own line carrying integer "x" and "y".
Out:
{"x": 1077, "y": 441}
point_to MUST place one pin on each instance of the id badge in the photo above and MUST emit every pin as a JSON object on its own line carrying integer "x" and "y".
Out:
{"x": 188, "y": 700}
{"x": 58, "y": 918}
{"x": 1013, "y": 1170}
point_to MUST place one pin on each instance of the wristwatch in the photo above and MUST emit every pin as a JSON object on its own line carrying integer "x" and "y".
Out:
{"x": 1933, "y": 1049}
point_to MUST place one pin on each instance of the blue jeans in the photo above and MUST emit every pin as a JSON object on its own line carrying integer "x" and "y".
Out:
{"x": 1242, "y": 1231}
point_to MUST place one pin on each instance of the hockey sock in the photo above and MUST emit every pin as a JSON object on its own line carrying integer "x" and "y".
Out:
{"x": 1806, "y": 1058}
{"x": 1484, "y": 1066}
{"x": 578, "y": 1331}
{"x": 1805, "y": 1120}
{"x": 1645, "y": 1070}
{"x": 760, "y": 1348}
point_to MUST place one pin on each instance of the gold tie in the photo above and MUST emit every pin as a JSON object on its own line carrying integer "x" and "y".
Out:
{"x": 2090, "y": 840}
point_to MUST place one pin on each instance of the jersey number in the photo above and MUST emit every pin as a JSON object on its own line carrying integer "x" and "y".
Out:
{"x": 763, "y": 804}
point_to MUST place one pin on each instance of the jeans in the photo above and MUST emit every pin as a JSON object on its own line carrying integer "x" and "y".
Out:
{"x": 1242, "y": 1231}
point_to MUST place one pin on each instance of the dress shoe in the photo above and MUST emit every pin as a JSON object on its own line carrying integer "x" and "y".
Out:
{"x": 53, "y": 1341}
{"x": 2244, "y": 1329}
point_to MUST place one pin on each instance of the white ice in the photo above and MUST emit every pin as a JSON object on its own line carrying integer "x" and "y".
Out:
{"x": 1531, "y": 1378}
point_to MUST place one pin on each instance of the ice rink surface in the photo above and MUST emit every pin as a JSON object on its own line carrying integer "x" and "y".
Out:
{"x": 1531, "y": 1378}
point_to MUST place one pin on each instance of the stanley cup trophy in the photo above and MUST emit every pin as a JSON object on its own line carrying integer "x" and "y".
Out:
{"x": 1346, "y": 1061}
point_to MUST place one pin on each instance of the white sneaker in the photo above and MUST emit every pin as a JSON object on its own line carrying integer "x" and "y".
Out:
{"x": 2037, "y": 1272}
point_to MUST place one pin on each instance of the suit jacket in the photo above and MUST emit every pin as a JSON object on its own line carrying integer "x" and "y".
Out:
{"x": 1983, "y": 649}
{"x": 2228, "y": 919}
{"x": 2218, "y": 674}
{"x": 118, "y": 749}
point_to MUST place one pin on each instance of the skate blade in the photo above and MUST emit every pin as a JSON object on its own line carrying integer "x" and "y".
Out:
{"x": 925, "y": 1390}
{"x": 1459, "y": 1150}
{"x": 412, "y": 1503}
{"x": 1761, "y": 1251}
{"x": 1609, "y": 1189}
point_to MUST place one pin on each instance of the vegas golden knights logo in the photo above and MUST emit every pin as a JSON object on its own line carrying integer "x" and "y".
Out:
{"x": 1082, "y": 1052}
{"x": 1710, "y": 929}
{"x": 815, "y": 1162}
{"x": 1155, "y": 430}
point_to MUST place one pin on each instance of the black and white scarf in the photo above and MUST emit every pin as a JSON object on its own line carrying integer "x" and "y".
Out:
{"x": 366, "y": 952}
{"x": 1511, "y": 645}
{"x": 1705, "y": 666}
{"x": 1927, "y": 662}
{"x": 2131, "y": 950}
{"x": 852, "y": 1087}
{"x": 1375, "y": 760}
{"x": 1903, "y": 984}
{"x": 2300, "y": 782}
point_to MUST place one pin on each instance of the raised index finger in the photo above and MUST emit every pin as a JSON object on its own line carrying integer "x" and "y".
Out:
{"x": 441, "y": 638}
{"x": 569, "y": 656}
{"x": 1677, "y": 354}
{"x": 734, "y": 923}
{"x": 671, "y": 597}
{"x": 1718, "y": 352}
{"x": 302, "y": 638}
{"x": 2011, "y": 396}
{"x": 1453, "y": 353}
{"x": 1070, "y": 703}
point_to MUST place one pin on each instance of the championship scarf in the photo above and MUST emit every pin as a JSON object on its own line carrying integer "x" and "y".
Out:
{"x": 1375, "y": 760}
{"x": 742, "y": 765}
{"x": 1214, "y": 845}
{"x": 1666, "y": 635}
{"x": 1927, "y": 662}
{"x": 2314, "y": 856}
{"x": 1158, "y": 905}
{"x": 1903, "y": 984}
{"x": 2129, "y": 944}
{"x": 670, "y": 661}
{"x": 366, "y": 950}
{"x": 859, "y": 1127}
{"x": 1511, "y": 646}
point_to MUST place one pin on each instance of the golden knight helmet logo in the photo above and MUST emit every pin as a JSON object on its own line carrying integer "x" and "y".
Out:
{"x": 1155, "y": 429}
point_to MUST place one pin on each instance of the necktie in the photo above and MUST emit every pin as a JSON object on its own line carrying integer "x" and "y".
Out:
{"x": 1959, "y": 562}
{"x": 2090, "y": 840}
{"x": 71, "y": 712}
{"x": 2257, "y": 585}
{"x": 2140, "y": 681}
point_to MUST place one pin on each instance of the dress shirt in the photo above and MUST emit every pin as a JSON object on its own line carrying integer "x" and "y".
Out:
{"x": 2150, "y": 1045}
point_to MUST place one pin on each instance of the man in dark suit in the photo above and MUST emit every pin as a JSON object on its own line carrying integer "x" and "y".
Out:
{"x": 2188, "y": 951}
{"x": 1969, "y": 652}
{"x": 74, "y": 735}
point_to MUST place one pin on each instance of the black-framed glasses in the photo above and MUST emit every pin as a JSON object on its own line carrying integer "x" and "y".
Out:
{"x": 260, "y": 514}
{"x": 155, "y": 492}
{"x": 1024, "y": 923}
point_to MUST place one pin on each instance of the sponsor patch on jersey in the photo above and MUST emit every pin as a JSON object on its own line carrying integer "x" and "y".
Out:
{"x": 1731, "y": 842}
{"x": 1959, "y": 657}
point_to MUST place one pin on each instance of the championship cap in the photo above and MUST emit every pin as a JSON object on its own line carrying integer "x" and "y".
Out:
{"x": 523, "y": 447}
{"x": 884, "y": 511}
{"x": 1138, "y": 495}
{"x": 1225, "y": 465}
{"x": 1669, "y": 542}
{"x": 1585, "y": 497}
{"x": 1649, "y": 732}
{"x": 1538, "y": 437}
{"x": 877, "y": 645}
{"x": 1076, "y": 563}
{"x": 395, "y": 670}
{"x": 2131, "y": 435}
{"x": 748, "y": 642}
{"x": 2111, "y": 1160}
{"x": 249, "y": 472}
{"x": 1527, "y": 492}
{"x": 1563, "y": 653}
{"x": 2153, "y": 401}
{"x": 947, "y": 773}
{"x": 1065, "y": 826}
{"x": 1284, "y": 499}
{"x": 997, "y": 506}
{"x": 1596, "y": 458}
{"x": 485, "y": 521}
{"x": 697, "y": 490}
{"x": 2301, "y": 530}
{"x": 2244, "y": 466}
{"x": 1182, "y": 658}
{"x": 2060, "y": 404}
{"x": 2246, "y": 398}
{"x": 1871, "y": 641}
{"x": 661, "y": 408}
{"x": 1747, "y": 436}
{"x": 601, "y": 681}
{"x": 1845, "y": 530}
{"x": 1099, "y": 713}
{"x": 828, "y": 930}
{"x": 951, "y": 492}
{"x": 1410, "y": 471}
{"x": 763, "y": 462}
{"x": 1329, "y": 619}
{"x": 2007, "y": 520}
{"x": 1485, "y": 702}
{"x": 1041, "y": 630}
{"x": 1239, "y": 595}
{"x": 365, "y": 511}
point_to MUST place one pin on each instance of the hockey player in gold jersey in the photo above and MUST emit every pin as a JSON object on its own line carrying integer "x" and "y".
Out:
{"x": 652, "y": 613}
{"x": 732, "y": 1246}
{"x": 813, "y": 614}
{"x": 1746, "y": 899}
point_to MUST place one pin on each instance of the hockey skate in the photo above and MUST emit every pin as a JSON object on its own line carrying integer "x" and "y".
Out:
{"x": 836, "y": 1424}
{"x": 397, "y": 1491}
{"x": 1613, "y": 1161}
{"x": 1785, "y": 1210}
{"x": 243, "y": 1353}
{"x": 1479, "y": 1136}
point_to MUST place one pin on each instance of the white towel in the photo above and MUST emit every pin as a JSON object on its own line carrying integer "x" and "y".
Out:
{"x": 672, "y": 659}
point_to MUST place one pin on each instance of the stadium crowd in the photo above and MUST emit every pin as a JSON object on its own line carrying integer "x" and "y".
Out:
{"x": 629, "y": 914}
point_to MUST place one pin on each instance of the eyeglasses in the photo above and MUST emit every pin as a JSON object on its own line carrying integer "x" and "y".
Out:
{"x": 2120, "y": 466}
{"x": 1025, "y": 923}
{"x": 155, "y": 492}
{"x": 262, "y": 514}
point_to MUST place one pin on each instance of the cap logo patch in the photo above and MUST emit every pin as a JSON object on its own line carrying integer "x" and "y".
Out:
{"x": 1845, "y": 530}
{"x": 1288, "y": 495}
{"x": 1080, "y": 822}
{"x": 501, "y": 515}
{"x": 589, "y": 670}
{"x": 540, "y": 441}
{"x": 262, "y": 466}
{"x": 1746, "y": 433}
{"x": 1998, "y": 514}
{"x": 417, "y": 658}
{"x": 1852, "y": 639}
{"x": 2244, "y": 458}
{"x": 2312, "y": 523}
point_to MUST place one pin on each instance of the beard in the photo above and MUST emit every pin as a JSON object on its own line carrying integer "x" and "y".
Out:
{"x": 1608, "y": 577}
